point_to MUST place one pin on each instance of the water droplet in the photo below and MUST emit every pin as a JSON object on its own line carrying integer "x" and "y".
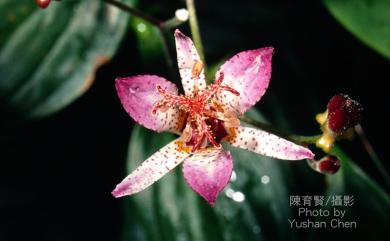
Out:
{"x": 229, "y": 192}
{"x": 182, "y": 14}
{"x": 141, "y": 27}
{"x": 265, "y": 179}
{"x": 233, "y": 178}
{"x": 238, "y": 197}
{"x": 133, "y": 90}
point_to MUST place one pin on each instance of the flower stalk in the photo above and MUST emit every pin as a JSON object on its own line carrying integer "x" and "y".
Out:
{"x": 303, "y": 140}
{"x": 162, "y": 26}
{"x": 133, "y": 11}
{"x": 372, "y": 153}
{"x": 195, "y": 29}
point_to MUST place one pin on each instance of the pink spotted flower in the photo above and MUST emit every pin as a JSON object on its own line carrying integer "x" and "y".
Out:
{"x": 204, "y": 117}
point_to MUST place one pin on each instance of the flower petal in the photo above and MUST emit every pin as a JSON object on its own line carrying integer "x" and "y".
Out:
{"x": 267, "y": 144}
{"x": 138, "y": 95}
{"x": 208, "y": 171}
{"x": 152, "y": 169}
{"x": 249, "y": 73}
{"x": 187, "y": 58}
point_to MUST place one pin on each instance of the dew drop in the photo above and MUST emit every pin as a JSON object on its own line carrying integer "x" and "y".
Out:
{"x": 238, "y": 197}
{"x": 134, "y": 89}
{"x": 141, "y": 27}
{"x": 229, "y": 192}
{"x": 265, "y": 179}
{"x": 233, "y": 178}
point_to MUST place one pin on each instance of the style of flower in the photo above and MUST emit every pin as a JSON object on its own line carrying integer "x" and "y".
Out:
{"x": 204, "y": 117}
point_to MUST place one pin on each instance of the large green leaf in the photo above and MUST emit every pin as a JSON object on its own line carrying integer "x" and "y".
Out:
{"x": 170, "y": 210}
{"x": 49, "y": 57}
{"x": 368, "y": 20}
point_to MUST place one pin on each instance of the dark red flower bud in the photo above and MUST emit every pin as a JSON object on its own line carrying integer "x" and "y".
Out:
{"x": 329, "y": 165}
{"x": 343, "y": 113}
{"x": 43, "y": 3}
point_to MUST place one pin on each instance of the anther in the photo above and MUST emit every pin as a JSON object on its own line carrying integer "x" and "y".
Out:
{"x": 197, "y": 69}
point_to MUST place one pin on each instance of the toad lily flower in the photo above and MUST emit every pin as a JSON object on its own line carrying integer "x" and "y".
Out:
{"x": 204, "y": 117}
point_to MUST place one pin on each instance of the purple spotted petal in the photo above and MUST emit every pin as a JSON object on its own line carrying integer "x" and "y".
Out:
{"x": 268, "y": 144}
{"x": 249, "y": 73}
{"x": 187, "y": 56}
{"x": 152, "y": 169}
{"x": 208, "y": 171}
{"x": 138, "y": 95}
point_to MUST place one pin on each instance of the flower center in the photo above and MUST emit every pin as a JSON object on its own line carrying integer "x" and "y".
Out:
{"x": 204, "y": 122}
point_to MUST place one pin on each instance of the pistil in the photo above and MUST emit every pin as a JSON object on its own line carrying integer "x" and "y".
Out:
{"x": 201, "y": 121}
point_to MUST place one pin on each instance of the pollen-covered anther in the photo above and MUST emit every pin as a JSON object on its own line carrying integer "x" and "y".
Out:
{"x": 326, "y": 142}
{"x": 197, "y": 69}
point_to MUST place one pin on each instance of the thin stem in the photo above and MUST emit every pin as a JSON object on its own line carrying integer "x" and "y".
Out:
{"x": 171, "y": 23}
{"x": 195, "y": 29}
{"x": 160, "y": 25}
{"x": 295, "y": 138}
{"x": 135, "y": 12}
{"x": 372, "y": 153}
{"x": 263, "y": 126}
{"x": 168, "y": 56}
{"x": 305, "y": 139}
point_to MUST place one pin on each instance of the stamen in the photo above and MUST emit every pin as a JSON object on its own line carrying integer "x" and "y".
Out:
{"x": 231, "y": 90}
{"x": 196, "y": 70}
{"x": 206, "y": 118}
{"x": 169, "y": 100}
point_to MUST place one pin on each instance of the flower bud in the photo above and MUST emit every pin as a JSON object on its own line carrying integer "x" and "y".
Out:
{"x": 343, "y": 113}
{"x": 329, "y": 164}
{"x": 326, "y": 165}
{"x": 43, "y": 3}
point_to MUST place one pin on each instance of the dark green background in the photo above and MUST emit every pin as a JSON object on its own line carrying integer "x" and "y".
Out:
{"x": 56, "y": 173}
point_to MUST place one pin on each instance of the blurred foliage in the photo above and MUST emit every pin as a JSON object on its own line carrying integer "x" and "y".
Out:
{"x": 368, "y": 20}
{"x": 149, "y": 40}
{"x": 170, "y": 210}
{"x": 49, "y": 57}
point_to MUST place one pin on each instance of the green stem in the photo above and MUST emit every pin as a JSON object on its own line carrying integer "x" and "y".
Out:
{"x": 160, "y": 25}
{"x": 372, "y": 153}
{"x": 196, "y": 37}
{"x": 135, "y": 12}
{"x": 302, "y": 140}
{"x": 171, "y": 23}
{"x": 305, "y": 139}
{"x": 263, "y": 126}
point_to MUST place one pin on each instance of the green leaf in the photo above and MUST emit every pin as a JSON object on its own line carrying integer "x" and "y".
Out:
{"x": 49, "y": 57}
{"x": 149, "y": 41}
{"x": 368, "y": 20}
{"x": 170, "y": 210}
